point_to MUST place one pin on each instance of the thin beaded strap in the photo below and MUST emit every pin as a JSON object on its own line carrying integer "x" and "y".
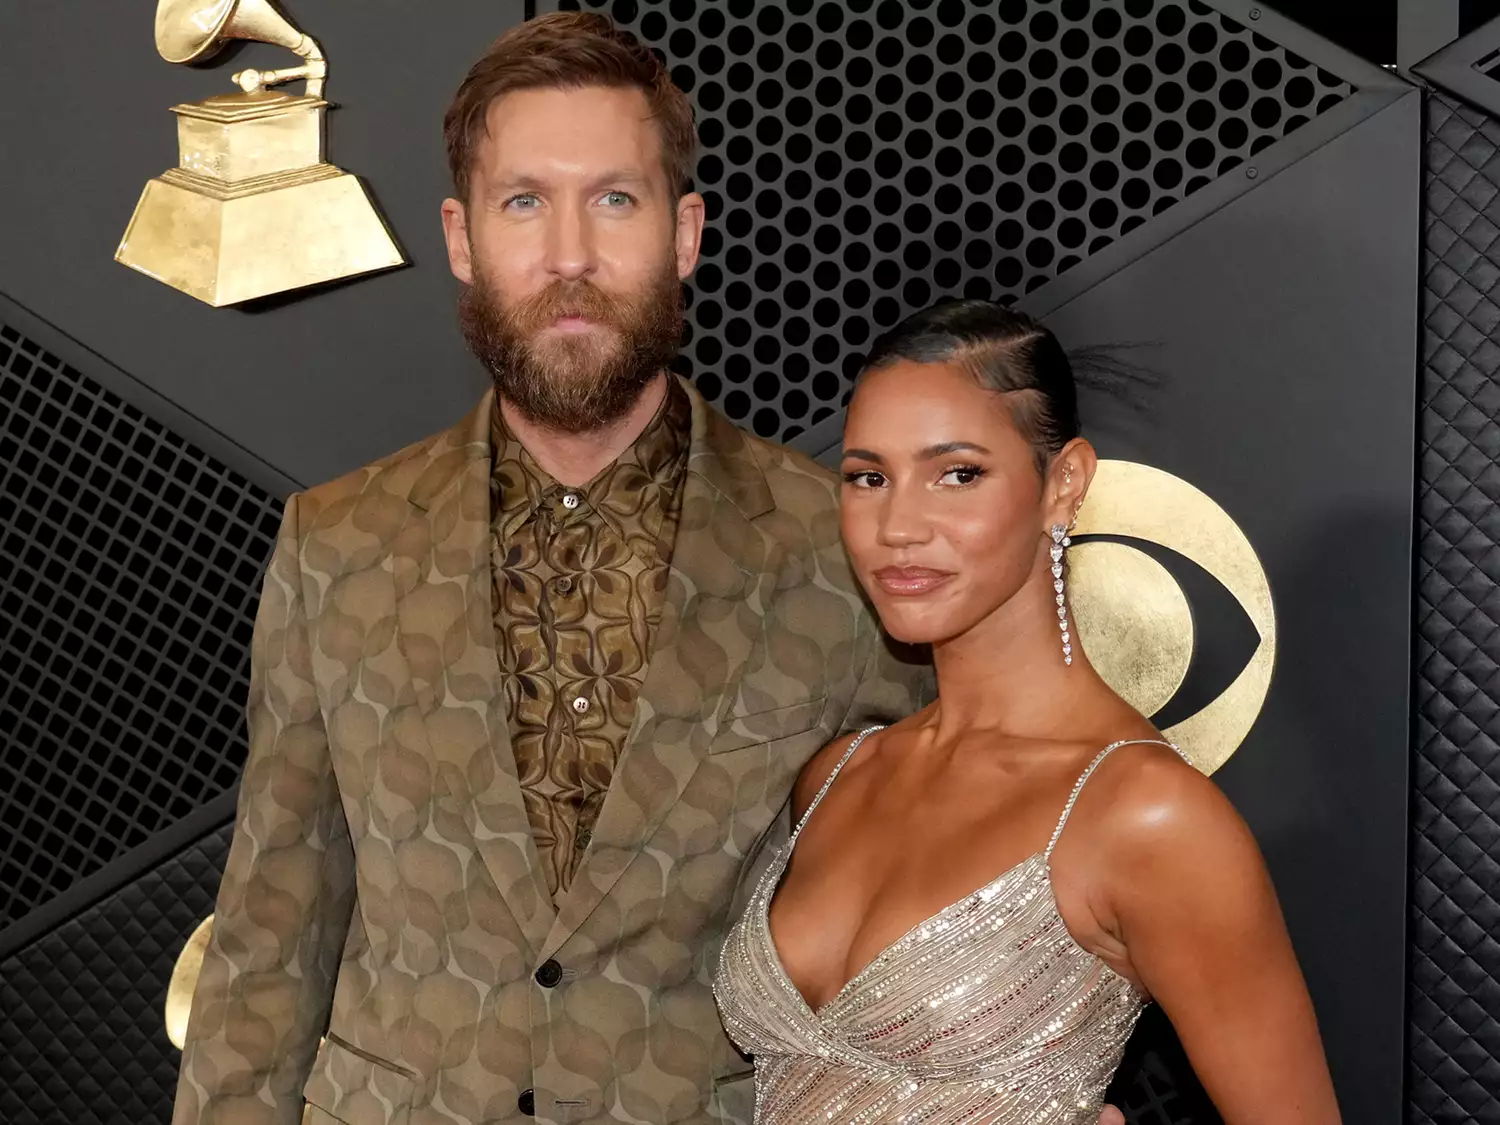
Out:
{"x": 817, "y": 800}
{"x": 1088, "y": 773}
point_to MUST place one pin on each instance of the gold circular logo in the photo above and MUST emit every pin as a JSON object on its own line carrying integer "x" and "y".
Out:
{"x": 1133, "y": 618}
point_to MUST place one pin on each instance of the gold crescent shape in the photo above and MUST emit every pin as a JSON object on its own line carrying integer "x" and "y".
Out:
{"x": 1142, "y": 502}
{"x": 1133, "y": 620}
{"x": 185, "y": 980}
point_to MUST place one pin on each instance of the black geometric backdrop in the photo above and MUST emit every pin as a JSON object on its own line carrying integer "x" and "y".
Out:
{"x": 130, "y": 565}
{"x": 1455, "y": 920}
{"x": 860, "y": 158}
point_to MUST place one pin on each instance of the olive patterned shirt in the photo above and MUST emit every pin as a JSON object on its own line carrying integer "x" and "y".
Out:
{"x": 580, "y": 579}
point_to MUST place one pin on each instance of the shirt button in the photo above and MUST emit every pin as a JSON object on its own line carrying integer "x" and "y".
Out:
{"x": 526, "y": 1103}
{"x": 580, "y": 705}
{"x": 549, "y": 974}
{"x": 564, "y": 585}
{"x": 571, "y": 500}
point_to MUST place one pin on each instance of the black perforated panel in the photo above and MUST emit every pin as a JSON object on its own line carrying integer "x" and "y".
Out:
{"x": 130, "y": 569}
{"x": 861, "y": 158}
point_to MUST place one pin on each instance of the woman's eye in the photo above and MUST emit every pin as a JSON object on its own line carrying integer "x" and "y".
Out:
{"x": 864, "y": 478}
{"x": 962, "y": 474}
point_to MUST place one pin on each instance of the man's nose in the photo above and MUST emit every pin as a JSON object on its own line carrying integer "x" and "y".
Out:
{"x": 571, "y": 252}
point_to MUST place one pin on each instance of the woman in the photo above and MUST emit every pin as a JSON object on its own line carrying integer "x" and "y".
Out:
{"x": 883, "y": 972}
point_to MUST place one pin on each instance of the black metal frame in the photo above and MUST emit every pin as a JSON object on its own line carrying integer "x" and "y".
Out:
{"x": 214, "y": 442}
{"x": 1455, "y": 69}
{"x": 1423, "y": 27}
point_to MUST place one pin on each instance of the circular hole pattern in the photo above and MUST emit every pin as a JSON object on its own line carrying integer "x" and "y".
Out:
{"x": 860, "y": 158}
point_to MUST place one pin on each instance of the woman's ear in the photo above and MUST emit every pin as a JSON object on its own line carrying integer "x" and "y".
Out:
{"x": 1067, "y": 483}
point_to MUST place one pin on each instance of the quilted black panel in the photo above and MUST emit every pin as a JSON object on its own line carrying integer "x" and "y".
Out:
{"x": 82, "y": 1040}
{"x": 1455, "y": 921}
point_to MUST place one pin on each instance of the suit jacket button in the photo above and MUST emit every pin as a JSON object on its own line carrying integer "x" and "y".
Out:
{"x": 526, "y": 1103}
{"x": 549, "y": 974}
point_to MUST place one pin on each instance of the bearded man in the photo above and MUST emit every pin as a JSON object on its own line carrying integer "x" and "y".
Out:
{"x": 529, "y": 697}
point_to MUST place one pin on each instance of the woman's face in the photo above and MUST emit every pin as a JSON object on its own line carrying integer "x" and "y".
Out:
{"x": 942, "y": 508}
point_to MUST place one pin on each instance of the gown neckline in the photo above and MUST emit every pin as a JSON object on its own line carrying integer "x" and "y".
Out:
{"x": 894, "y": 946}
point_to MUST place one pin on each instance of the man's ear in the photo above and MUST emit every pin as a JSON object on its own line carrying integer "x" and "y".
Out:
{"x": 689, "y": 237}
{"x": 456, "y": 234}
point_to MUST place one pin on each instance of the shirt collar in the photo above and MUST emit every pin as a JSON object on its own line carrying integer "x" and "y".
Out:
{"x": 637, "y": 487}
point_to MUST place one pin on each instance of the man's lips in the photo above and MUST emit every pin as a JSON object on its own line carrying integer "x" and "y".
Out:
{"x": 910, "y": 581}
{"x": 573, "y": 324}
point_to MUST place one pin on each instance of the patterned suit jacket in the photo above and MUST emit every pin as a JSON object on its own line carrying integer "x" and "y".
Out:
{"x": 383, "y": 882}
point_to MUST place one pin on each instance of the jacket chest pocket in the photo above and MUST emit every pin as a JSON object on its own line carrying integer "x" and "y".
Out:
{"x": 774, "y": 725}
{"x": 747, "y": 775}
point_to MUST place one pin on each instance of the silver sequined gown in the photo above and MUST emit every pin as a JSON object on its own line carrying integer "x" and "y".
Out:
{"x": 987, "y": 1012}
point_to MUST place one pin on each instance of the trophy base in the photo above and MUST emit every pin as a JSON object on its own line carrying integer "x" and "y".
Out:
{"x": 226, "y": 243}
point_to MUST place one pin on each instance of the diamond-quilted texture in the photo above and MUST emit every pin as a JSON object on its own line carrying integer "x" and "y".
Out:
{"x": 82, "y": 1040}
{"x": 1455, "y": 908}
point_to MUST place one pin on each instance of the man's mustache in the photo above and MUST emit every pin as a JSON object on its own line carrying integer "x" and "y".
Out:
{"x": 581, "y": 299}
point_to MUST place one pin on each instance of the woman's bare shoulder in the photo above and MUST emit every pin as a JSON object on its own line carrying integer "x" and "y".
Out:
{"x": 816, "y": 771}
{"x": 1147, "y": 798}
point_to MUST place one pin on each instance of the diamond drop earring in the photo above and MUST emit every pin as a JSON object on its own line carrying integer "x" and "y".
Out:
{"x": 1060, "y": 544}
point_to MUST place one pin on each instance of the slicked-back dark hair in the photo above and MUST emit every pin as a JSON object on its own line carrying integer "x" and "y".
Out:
{"x": 1006, "y": 352}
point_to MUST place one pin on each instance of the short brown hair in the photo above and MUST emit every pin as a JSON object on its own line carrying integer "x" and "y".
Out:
{"x": 568, "y": 50}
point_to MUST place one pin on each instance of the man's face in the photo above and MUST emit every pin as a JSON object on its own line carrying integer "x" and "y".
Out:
{"x": 572, "y": 250}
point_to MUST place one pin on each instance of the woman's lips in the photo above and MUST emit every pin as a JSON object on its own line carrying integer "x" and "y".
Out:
{"x": 910, "y": 581}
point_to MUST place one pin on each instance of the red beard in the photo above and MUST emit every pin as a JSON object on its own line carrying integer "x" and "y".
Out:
{"x": 574, "y": 384}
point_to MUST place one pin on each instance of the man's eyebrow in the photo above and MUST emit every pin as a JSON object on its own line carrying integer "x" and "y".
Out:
{"x": 620, "y": 176}
{"x": 504, "y": 186}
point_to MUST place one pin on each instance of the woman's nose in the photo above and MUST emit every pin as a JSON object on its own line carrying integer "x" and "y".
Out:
{"x": 904, "y": 520}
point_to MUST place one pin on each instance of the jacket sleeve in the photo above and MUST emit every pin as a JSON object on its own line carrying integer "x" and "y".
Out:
{"x": 266, "y": 986}
{"x": 897, "y": 680}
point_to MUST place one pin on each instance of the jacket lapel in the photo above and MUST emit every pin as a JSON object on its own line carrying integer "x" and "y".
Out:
{"x": 710, "y": 620}
{"x": 446, "y": 629}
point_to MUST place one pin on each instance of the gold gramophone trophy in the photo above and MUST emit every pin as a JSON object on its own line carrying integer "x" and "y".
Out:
{"x": 252, "y": 208}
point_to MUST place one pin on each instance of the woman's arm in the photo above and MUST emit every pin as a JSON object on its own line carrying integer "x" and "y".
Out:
{"x": 1194, "y": 905}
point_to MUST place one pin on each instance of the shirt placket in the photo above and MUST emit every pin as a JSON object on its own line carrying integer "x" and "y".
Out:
{"x": 572, "y": 643}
